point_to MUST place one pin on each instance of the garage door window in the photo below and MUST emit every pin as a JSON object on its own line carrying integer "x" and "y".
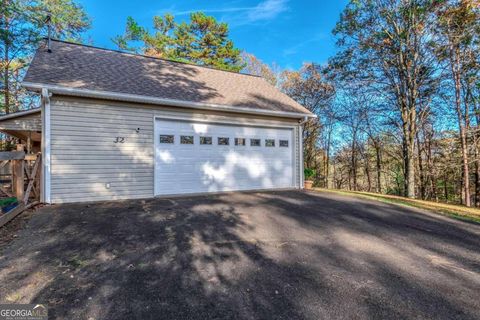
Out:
{"x": 255, "y": 142}
{"x": 269, "y": 143}
{"x": 186, "y": 139}
{"x": 283, "y": 143}
{"x": 222, "y": 141}
{"x": 205, "y": 140}
{"x": 166, "y": 138}
{"x": 240, "y": 141}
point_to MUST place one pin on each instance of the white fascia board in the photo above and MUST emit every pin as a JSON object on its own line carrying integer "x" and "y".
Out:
{"x": 20, "y": 114}
{"x": 302, "y": 164}
{"x": 160, "y": 101}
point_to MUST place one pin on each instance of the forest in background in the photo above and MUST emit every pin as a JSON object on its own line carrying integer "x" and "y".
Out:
{"x": 397, "y": 106}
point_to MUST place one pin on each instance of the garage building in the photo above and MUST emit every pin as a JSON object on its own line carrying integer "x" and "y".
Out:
{"x": 122, "y": 126}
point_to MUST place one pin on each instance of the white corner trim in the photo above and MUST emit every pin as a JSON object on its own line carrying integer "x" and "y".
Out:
{"x": 293, "y": 155}
{"x": 160, "y": 101}
{"x": 46, "y": 134}
{"x": 155, "y": 135}
{"x": 301, "y": 165}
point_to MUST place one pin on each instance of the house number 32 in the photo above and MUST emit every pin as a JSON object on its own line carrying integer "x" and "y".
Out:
{"x": 119, "y": 140}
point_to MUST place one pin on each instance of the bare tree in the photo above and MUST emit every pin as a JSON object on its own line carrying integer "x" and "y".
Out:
{"x": 384, "y": 45}
{"x": 309, "y": 87}
{"x": 457, "y": 22}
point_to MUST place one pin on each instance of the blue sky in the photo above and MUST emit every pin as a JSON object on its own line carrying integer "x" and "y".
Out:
{"x": 287, "y": 32}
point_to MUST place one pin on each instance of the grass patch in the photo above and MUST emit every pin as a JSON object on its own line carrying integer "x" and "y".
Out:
{"x": 455, "y": 211}
{"x": 76, "y": 262}
{"x": 13, "y": 297}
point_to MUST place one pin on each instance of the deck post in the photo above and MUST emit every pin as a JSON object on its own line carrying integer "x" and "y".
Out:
{"x": 19, "y": 178}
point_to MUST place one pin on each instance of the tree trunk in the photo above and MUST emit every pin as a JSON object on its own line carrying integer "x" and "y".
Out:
{"x": 476, "y": 140}
{"x": 420, "y": 169}
{"x": 455, "y": 63}
{"x": 408, "y": 154}
{"x": 431, "y": 177}
{"x": 6, "y": 64}
{"x": 350, "y": 179}
{"x": 477, "y": 180}
{"x": 354, "y": 162}
{"x": 327, "y": 160}
{"x": 378, "y": 159}
{"x": 367, "y": 173}
{"x": 445, "y": 186}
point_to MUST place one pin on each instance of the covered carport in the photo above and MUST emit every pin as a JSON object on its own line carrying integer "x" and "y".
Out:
{"x": 25, "y": 126}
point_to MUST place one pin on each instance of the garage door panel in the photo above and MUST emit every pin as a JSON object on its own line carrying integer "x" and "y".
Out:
{"x": 194, "y": 168}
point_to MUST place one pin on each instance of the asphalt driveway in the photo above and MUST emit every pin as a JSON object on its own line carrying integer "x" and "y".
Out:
{"x": 276, "y": 255}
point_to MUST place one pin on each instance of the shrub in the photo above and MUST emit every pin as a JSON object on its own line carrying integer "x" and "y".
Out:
{"x": 308, "y": 173}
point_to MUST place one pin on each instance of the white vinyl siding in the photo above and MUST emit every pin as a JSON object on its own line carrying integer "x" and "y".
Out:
{"x": 84, "y": 157}
{"x": 30, "y": 122}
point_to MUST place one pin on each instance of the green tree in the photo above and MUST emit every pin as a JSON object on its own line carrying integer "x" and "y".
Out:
{"x": 202, "y": 41}
{"x": 22, "y": 25}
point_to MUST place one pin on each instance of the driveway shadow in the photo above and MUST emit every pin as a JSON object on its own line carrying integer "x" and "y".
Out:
{"x": 282, "y": 255}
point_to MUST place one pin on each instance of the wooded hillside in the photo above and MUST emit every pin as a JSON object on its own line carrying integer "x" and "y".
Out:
{"x": 398, "y": 105}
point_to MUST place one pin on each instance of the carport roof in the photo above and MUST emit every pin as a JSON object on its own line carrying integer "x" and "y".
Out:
{"x": 81, "y": 69}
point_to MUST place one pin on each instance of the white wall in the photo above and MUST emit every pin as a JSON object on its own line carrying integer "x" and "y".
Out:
{"x": 31, "y": 122}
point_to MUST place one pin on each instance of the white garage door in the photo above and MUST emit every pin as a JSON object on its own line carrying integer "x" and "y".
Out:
{"x": 195, "y": 157}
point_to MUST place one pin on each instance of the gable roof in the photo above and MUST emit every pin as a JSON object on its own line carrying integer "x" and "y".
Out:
{"x": 81, "y": 68}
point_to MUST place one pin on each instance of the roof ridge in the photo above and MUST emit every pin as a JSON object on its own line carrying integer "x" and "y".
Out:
{"x": 154, "y": 58}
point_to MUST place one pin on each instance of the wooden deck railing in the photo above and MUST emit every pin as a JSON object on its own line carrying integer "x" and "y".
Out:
{"x": 25, "y": 181}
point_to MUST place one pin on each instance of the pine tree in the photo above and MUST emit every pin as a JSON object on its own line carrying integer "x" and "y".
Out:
{"x": 22, "y": 26}
{"x": 202, "y": 41}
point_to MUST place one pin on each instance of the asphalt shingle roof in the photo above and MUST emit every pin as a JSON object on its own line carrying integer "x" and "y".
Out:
{"x": 85, "y": 67}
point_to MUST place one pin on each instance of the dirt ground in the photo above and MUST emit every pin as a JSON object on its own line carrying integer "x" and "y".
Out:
{"x": 10, "y": 231}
